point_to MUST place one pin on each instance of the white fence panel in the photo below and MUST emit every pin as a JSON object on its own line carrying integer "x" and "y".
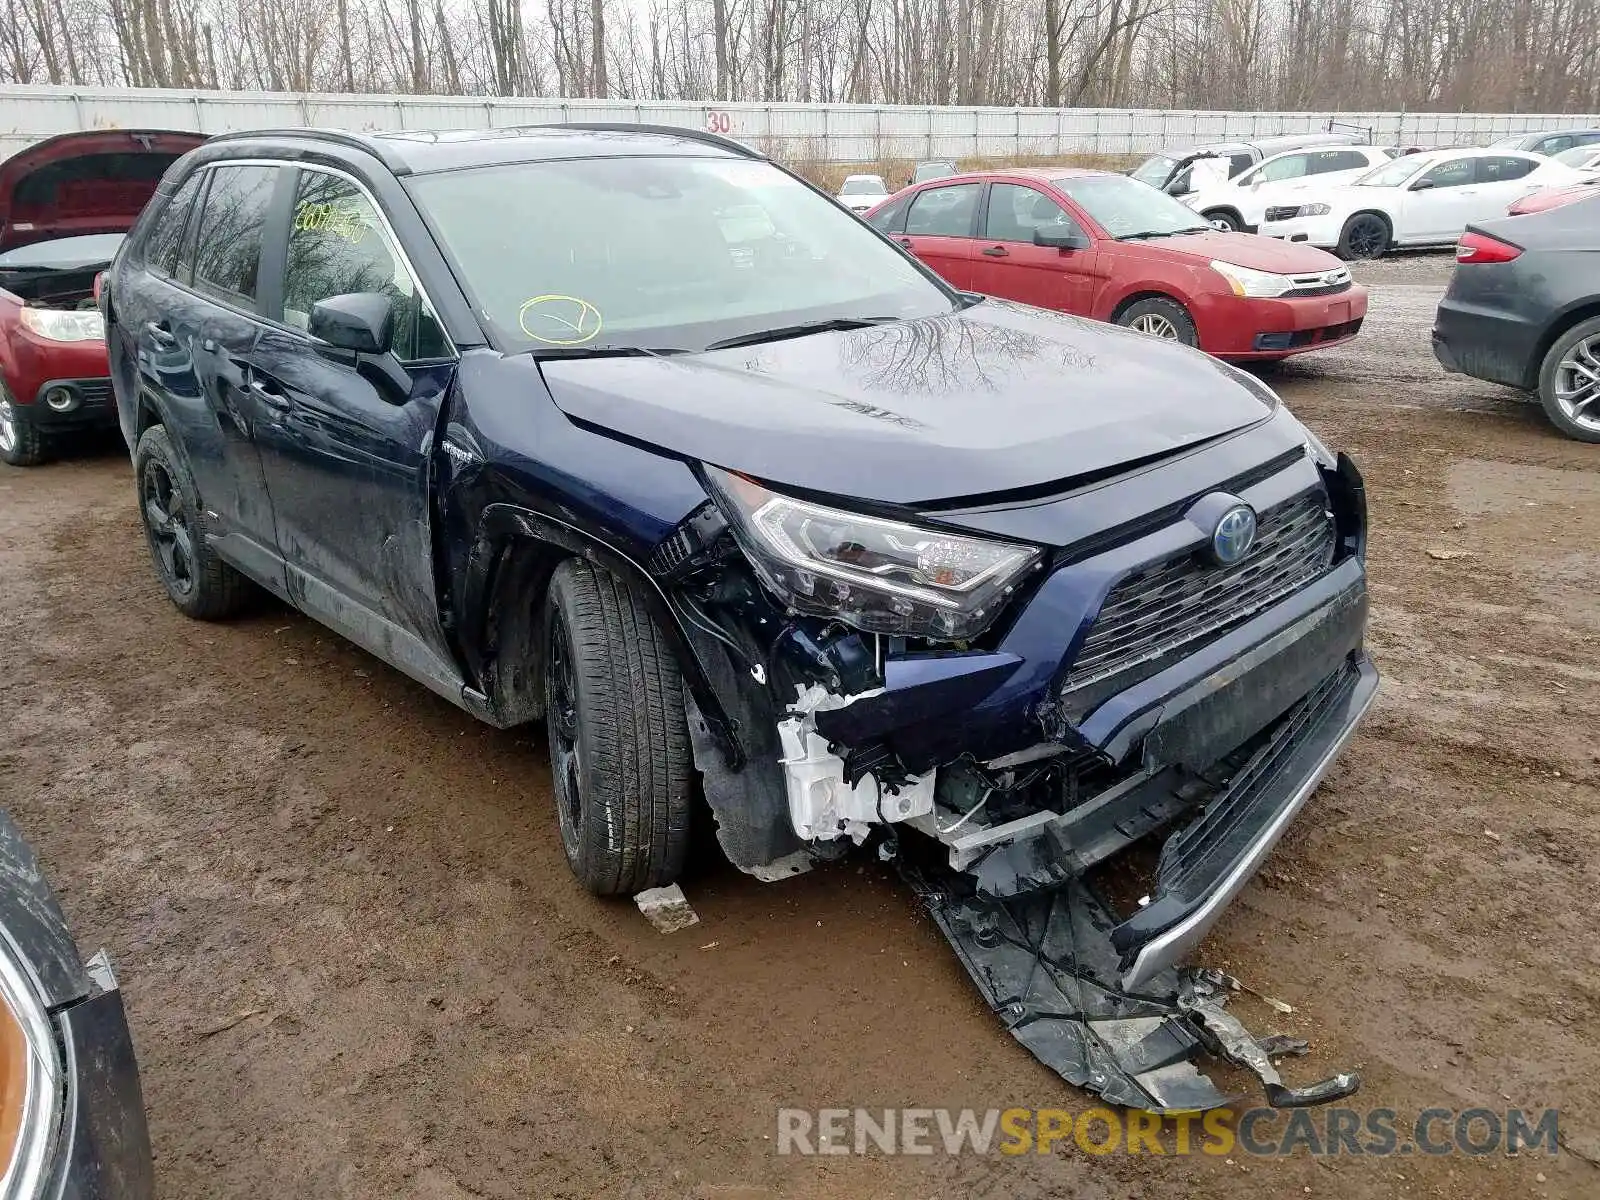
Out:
{"x": 843, "y": 133}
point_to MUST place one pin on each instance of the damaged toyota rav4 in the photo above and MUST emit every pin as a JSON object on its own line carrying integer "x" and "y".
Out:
{"x": 630, "y": 430}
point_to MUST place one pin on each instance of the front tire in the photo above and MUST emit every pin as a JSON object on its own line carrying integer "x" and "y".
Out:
{"x": 1569, "y": 382}
{"x": 1365, "y": 236}
{"x": 21, "y": 444}
{"x": 1161, "y": 318}
{"x": 199, "y": 583}
{"x": 620, "y": 759}
{"x": 1224, "y": 221}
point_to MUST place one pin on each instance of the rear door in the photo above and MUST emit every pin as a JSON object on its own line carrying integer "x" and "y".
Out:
{"x": 1502, "y": 180}
{"x": 940, "y": 226}
{"x": 189, "y": 315}
{"x": 348, "y": 447}
{"x": 1009, "y": 265}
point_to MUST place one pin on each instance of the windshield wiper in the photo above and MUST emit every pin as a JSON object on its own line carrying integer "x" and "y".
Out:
{"x": 1162, "y": 233}
{"x": 607, "y": 351}
{"x": 829, "y": 325}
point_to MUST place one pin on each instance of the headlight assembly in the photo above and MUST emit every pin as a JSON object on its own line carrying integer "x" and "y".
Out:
{"x": 877, "y": 575}
{"x": 1313, "y": 210}
{"x": 1245, "y": 281}
{"x": 30, "y": 1078}
{"x": 59, "y": 325}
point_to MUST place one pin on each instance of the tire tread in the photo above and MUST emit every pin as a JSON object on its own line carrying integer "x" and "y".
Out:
{"x": 634, "y": 734}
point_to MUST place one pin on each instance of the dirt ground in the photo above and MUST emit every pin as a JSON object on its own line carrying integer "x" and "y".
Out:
{"x": 357, "y": 965}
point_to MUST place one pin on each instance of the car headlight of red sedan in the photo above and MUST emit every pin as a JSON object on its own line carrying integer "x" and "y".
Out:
{"x": 30, "y": 1078}
{"x": 61, "y": 325}
{"x": 1245, "y": 281}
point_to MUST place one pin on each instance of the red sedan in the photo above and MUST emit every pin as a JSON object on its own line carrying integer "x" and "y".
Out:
{"x": 1101, "y": 245}
{"x": 64, "y": 205}
{"x": 1554, "y": 198}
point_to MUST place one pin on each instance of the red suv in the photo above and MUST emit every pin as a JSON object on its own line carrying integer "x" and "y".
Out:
{"x": 64, "y": 205}
{"x": 1106, "y": 246}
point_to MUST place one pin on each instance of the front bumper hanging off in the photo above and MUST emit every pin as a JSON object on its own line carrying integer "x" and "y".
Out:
{"x": 1100, "y": 1002}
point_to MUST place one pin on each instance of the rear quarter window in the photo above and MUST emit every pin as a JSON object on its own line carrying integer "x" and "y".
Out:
{"x": 166, "y": 235}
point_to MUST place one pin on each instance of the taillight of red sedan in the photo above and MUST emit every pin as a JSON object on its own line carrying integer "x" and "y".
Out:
{"x": 1475, "y": 247}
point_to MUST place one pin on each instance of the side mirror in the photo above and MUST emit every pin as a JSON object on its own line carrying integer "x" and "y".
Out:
{"x": 1065, "y": 239}
{"x": 360, "y": 322}
{"x": 1175, "y": 188}
{"x": 1421, "y": 185}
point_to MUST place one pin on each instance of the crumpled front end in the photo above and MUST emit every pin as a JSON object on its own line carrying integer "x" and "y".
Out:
{"x": 1168, "y": 674}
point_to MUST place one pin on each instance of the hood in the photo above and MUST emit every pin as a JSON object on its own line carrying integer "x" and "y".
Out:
{"x": 992, "y": 399}
{"x": 1248, "y": 250}
{"x": 80, "y": 183}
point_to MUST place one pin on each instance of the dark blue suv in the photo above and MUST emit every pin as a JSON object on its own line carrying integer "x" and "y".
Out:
{"x": 631, "y": 430}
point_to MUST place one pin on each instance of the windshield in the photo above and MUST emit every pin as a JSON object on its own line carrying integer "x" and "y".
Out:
{"x": 1125, "y": 208}
{"x": 932, "y": 170}
{"x": 63, "y": 254}
{"x": 1578, "y": 156}
{"x": 1508, "y": 142}
{"x": 863, "y": 185}
{"x": 1393, "y": 174}
{"x": 612, "y": 254}
{"x": 1155, "y": 170}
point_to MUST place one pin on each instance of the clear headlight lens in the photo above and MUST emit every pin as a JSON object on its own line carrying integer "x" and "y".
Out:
{"x": 1313, "y": 210}
{"x": 30, "y": 1078}
{"x": 1248, "y": 282}
{"x": 61, "y": 326}
{"x": 879, "y": 576}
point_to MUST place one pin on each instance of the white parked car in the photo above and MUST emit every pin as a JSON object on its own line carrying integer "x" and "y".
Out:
{"x": 1240, "y": 203}
{"x": 1581, "y": 158}
{"x": 861, "y": 192}
{"x": 1418, "y": 200}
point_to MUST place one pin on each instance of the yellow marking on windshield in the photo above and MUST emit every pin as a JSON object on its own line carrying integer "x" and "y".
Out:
{"x": 566, "y": 320}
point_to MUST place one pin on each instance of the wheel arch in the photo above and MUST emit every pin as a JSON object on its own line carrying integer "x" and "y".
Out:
{"x": 1582, "y": 311}
{"x": 1227, "y": 210}
{"x": 1148, "y": 292}
{"x": 1387, "y": 220}
{"x": 508, "y": 573}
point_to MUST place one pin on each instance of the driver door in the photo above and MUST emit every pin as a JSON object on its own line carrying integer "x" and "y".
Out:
{"x": 1440, "y": 210}
{"x": 1008, "y": 264}
{"x": 348, "y": 451}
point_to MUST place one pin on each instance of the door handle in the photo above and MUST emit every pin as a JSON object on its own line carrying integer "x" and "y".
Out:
{"x": 270, "y": 396}
{"x": 158, "y": 333}
{"x": 997, "y": 252}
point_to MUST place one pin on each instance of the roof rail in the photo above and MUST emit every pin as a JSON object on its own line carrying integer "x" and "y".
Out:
{"x": 339, "y": 137}
{"x": 679, "y": 131}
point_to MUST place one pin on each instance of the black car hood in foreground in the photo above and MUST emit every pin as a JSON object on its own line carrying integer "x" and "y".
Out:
{"x": 994, "y": 398}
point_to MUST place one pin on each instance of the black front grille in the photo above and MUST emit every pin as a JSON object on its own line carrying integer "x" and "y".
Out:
{"x": 1185, "y": 600}
{"x": 1282, "y": 213}
{"x": 1324, "y": 289}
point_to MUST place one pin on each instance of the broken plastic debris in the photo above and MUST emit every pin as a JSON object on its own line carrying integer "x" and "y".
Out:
{"x": 1449, "y": 555}
{"x": 1046, "y": 966}
{"x": 666, "y": 908}
{"x": 1270, "y": 1001}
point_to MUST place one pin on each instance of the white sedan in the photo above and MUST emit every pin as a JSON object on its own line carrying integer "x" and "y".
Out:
{"x": 861, "y": 192}
{"x": 1241, "y": 203}
{"x": 1418, "y": 200}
